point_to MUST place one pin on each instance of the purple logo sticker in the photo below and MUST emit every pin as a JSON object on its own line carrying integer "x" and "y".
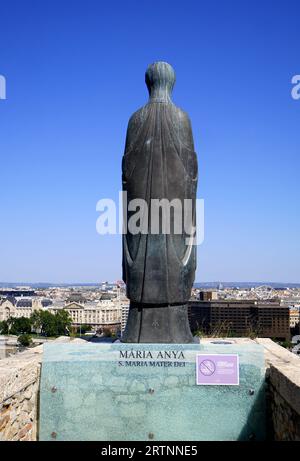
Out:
{"x": 217, "y": 369}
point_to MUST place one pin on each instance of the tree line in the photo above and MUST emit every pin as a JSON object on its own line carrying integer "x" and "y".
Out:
{"x": 42, "y": 322}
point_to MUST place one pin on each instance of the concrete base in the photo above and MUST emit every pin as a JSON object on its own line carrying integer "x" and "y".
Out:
{"x": 145, "y": 392}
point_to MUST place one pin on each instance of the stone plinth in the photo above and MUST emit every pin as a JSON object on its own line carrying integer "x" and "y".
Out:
{"x": 148, "y": 392}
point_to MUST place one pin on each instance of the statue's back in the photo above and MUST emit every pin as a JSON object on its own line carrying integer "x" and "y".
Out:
{"x": 159, "y": 163}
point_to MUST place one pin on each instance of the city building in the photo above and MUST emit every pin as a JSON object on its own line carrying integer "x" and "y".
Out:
{"x": 105, "y": 313}
{"x": 125, "y": 312}
{"x": 273, "y": 321}
{"x": 208, "y": 295}
{"x": 21, "y": 307}
{"x": 294, "y": 317}
{"x": 16, "y": 292}
{"x": 240, "y": 318}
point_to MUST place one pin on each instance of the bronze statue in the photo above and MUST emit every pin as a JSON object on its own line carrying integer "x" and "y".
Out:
{"x": 159, "y": 163}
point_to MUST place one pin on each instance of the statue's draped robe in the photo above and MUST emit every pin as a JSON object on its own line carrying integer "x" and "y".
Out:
{"x": 159, "y": 163}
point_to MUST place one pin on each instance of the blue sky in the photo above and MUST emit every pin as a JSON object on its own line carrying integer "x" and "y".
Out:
{"x": 75, "y": 73}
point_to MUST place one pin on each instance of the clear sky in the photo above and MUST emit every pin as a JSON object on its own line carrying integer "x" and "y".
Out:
{"x": 75, "y": 73}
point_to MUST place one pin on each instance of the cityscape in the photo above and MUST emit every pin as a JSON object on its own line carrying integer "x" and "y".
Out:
{"x": 101, "y": 311}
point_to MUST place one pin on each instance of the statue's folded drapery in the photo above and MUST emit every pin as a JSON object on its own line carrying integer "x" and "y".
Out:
{"x": 159, "y": 163}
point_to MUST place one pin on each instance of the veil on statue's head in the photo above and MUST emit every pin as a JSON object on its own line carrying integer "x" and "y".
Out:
{"x": 160, "y": 75}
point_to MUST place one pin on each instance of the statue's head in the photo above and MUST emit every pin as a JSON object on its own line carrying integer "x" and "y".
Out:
{"x": 160, "y": 78}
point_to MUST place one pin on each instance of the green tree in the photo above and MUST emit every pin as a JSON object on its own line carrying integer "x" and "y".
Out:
{"x": 20, "y": 325}
{"x": 25, "y": 340}
{"x": 48, "y": 324}
{"x": 4, "y": 327}
{"x": 51, "y": 324}
{"x": 36, "y": 320}
{"x": 63, "y": 322}
{"x": 10, "y": 321}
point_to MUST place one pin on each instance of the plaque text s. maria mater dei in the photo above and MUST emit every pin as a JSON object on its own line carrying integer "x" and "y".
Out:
{"x": 147, "y": 358}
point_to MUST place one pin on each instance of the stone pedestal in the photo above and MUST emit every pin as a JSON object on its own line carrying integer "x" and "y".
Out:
{"x": 163, "y": 324}
{"x": 108, "y": 392}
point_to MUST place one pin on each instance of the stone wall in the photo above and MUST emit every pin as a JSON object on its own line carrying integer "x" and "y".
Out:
{"x": 283, "y": 392}
{"x": 19, "y": 394}
{"x": 19, "y": 383}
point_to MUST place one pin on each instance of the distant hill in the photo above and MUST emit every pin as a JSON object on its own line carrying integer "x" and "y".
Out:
{"x": 205, "y": 285}
{"x": 46, "y": 285}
